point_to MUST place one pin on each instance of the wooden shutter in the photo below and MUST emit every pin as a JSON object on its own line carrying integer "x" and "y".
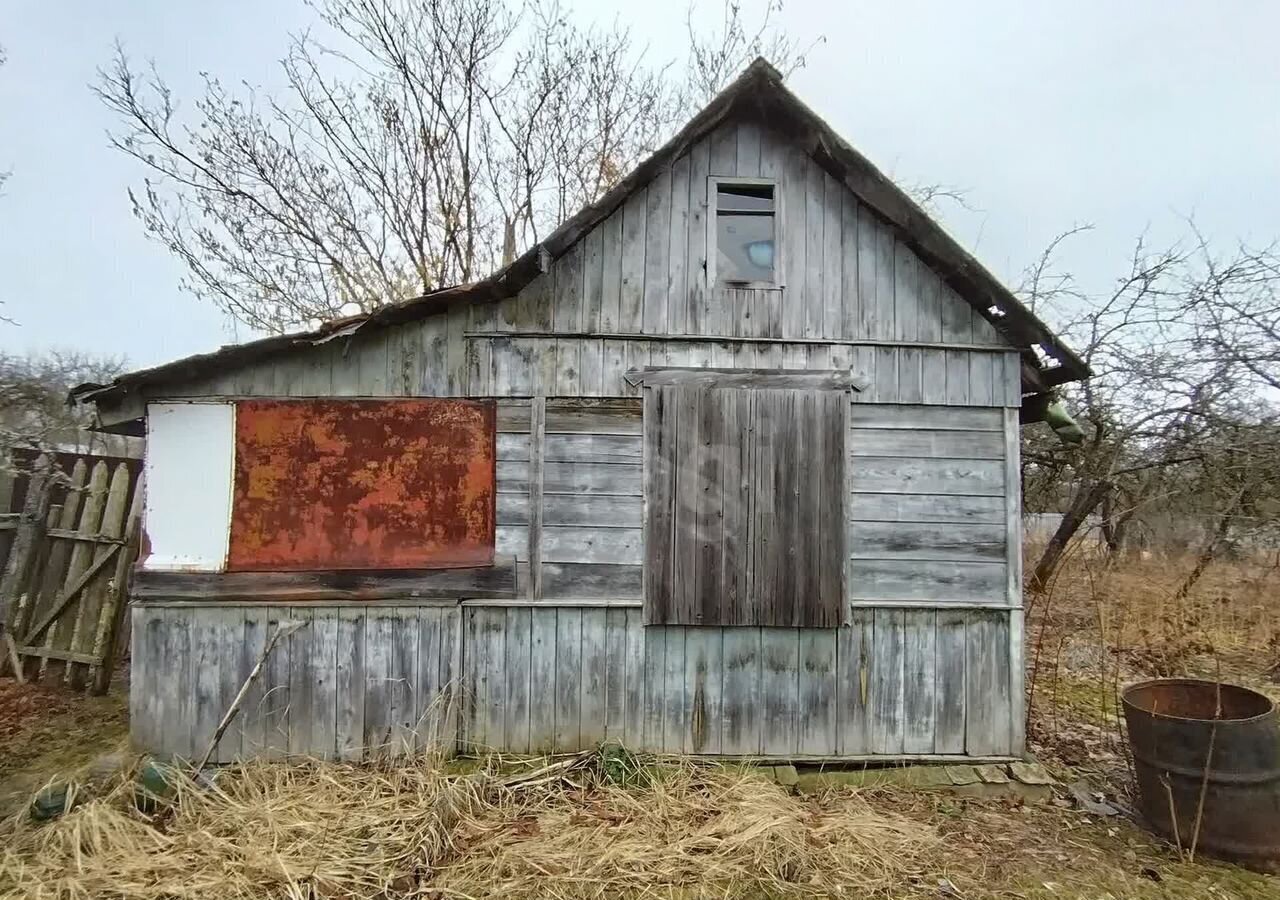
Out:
{"x": 744, "y": 506}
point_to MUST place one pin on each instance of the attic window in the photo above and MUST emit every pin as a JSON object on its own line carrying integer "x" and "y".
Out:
{"x": 743, "y": 230}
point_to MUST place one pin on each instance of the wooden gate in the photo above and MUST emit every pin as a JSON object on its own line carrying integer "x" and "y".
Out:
{"x": 66, "y": 572}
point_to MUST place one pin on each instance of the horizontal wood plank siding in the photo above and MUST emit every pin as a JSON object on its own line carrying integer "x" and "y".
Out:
{"x": 580, "y": 365}
{"x": 353, "y": 681}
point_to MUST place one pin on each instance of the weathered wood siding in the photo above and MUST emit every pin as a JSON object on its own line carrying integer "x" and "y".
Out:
{"x": 633, "y": 292}
{"x": 352, "y": 678}
{"x": 529, "y": 679}
{"x": 932, "y": 663}
{"x": 482, "y": 366}
{"x": 927, "y": 513}
{"x": 745, "y": 517}
{"x": 587, "y": 499}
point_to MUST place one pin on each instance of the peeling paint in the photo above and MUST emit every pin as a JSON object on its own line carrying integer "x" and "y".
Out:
{"x": 363, "y": 484}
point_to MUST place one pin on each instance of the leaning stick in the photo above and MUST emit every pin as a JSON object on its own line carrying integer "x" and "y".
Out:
{"x": 1208, "y": 759}
{"x": 228, "y": 717}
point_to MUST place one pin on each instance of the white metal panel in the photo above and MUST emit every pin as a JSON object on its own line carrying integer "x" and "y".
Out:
{"x": 189, "y": 463}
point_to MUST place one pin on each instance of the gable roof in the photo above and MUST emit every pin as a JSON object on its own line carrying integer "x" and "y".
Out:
{"x": 759, "y": 89}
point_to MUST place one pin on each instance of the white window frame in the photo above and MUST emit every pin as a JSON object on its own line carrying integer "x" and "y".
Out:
{"x": 713, "y": 247}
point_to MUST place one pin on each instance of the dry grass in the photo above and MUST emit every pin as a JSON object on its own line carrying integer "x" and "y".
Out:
{"x": 1100, "y": 626}
{"x": 1131, "y": 610}
{"x": 586, "y": 827}
{"x": 339, "y": 831}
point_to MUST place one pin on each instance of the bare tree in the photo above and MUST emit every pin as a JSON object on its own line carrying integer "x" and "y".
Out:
{"x": 418, "y": 144}
{"x": 34, "y": 410}
{"x": 1173, "y": 375}
{"x": 716, "y": 55}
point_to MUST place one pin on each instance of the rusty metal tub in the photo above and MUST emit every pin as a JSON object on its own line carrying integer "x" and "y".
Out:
{"x": 1172, "y": 726}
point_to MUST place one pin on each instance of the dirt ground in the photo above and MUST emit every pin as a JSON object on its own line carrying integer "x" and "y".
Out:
{"x": 580, "y": 834}
{"x": 45, "y": 731}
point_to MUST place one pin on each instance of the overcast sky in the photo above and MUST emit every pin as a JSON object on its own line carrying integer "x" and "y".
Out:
{"x": 1130, "y": 116}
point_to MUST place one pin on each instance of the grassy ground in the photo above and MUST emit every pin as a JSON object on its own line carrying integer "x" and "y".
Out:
{"x": 613, "y": 826}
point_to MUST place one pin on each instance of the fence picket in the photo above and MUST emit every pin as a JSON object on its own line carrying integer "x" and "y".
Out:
{"x": 111, "y": 635}
{"x": 66, "y": 568}
{"x": 60, "y": 634}
{"x": 92, "y": 598}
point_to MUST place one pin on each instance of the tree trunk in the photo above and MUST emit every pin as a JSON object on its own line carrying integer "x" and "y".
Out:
{"x": 1110, "y": 527}
{"x": 1085, "y": 501}
{"x": 1115, "y": 528}
{"x": 1210, "y": 550}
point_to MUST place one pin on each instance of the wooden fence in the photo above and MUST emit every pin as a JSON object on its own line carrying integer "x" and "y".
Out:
{"x": 72, "y": 535}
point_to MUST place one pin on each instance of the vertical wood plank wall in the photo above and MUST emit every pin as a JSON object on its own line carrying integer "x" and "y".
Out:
{"x": 557, "y": 678}
{"x": 931, "y": 662}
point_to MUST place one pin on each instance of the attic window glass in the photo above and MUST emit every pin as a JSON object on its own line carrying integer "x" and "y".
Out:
{"x": 746, "y": 232}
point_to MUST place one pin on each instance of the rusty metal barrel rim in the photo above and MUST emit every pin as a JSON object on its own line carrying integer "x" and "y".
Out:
{"x": 1194, "y": 699}
{"x": 1207, "y": 760}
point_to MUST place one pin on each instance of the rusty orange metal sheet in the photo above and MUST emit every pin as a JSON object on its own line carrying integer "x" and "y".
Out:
{"x": 363, "y": 484}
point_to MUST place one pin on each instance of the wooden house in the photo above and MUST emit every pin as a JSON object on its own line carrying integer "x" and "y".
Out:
{"x": 726, "y": 465}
